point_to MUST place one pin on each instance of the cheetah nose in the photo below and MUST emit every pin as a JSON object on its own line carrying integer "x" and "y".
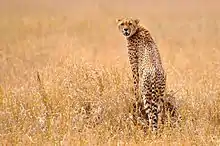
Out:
{"x": 125, "y": 29}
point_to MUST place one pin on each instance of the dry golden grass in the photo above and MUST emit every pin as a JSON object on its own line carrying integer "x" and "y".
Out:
{"x": 65, "y": 78}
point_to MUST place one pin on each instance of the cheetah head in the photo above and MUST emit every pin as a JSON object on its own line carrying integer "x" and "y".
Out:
{"x": 127, "y": 26}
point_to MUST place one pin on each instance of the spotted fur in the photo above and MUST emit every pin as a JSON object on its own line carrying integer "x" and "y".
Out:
{"x": 148, "y": 73}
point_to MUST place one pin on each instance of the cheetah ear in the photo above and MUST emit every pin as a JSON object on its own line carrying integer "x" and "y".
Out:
{"x": 118, "y": 20}
{"x": 136, "y": 21}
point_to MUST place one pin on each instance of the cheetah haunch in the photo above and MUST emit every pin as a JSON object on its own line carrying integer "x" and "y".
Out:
{"x": 148, "y": 73}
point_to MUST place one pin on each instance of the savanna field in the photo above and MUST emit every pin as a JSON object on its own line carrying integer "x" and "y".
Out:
{"x": 65, "y": 78}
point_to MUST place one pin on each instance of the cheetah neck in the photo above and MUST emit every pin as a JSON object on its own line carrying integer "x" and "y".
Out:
{"x": 145, "y": 48}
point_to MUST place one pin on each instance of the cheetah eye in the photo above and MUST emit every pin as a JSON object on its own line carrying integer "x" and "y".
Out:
{"x": 130, "y": 23}
{"x": 122, "y": 24}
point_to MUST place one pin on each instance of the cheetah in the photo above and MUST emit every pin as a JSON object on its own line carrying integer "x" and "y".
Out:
{"x": 148, "y": 74}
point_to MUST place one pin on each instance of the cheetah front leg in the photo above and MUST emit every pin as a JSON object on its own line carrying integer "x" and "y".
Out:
{"x": 133, "y": 58}
{"x": 150, "y": 111}
{"x": 137, "y": 104}
{"x": 151, "y": 105}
